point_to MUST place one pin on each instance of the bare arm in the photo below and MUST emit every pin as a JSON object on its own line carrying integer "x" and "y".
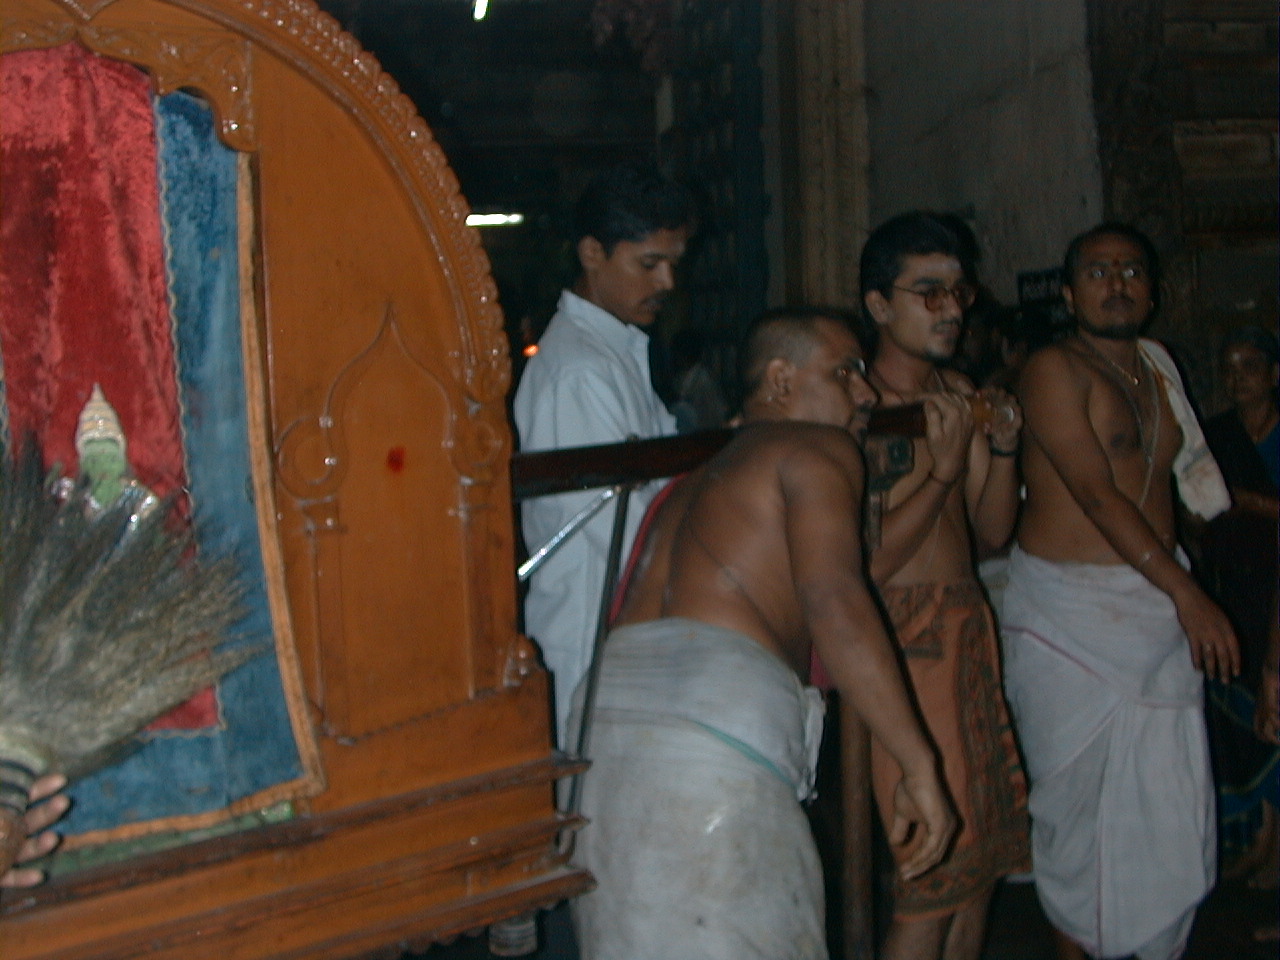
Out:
{"x": 822, "y": 496}
{"x": 1255, "y": 502}
{"x": 905, "y": 526}
{"x": 1055, "y": 402}
{"x": 1266, "y": 718}
{"x": 991, "y": 491}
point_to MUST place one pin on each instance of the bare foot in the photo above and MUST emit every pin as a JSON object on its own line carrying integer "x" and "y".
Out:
{"x": 1259, "y": 865}
{"x": 1266, "y": 874}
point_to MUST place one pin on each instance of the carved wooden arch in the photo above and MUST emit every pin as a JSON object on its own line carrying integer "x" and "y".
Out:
{"x": 377, "y": 351}
{"x": 219, "y": 48}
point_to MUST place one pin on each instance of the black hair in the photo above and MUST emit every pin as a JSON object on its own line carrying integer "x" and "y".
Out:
{"x": 786, "y": 332}
{"x": 916, "y": 233}
{"x": 1260, "y": 338}
{"x": 1113, "y": 228}
{"x": 630, "y": 201}
{"x": 969, "y": 251}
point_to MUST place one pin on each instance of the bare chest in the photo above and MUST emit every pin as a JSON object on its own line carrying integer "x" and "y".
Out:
{"x": 1134, "y": 423}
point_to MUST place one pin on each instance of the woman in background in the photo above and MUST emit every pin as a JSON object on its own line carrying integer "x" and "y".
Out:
{"x": 1240, "y": 564}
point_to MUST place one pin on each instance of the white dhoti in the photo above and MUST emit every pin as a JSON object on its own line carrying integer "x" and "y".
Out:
{"x": 1108, "y": 708}
{"x": 701, "y": 744}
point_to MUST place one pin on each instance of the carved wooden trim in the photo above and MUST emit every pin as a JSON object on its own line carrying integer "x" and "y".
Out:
{"x": 304, "y": 36}
{"x": 253, "y": 360}
{"x": 157, "y": 866}
{"x": 319, "y": 481}
{"x": 313, "y": 460}
{"x": 87, "y": 10}
{"x": 225, "y": 933}
{"x": 33, "y": 34}
{"x": 213, "y": 62}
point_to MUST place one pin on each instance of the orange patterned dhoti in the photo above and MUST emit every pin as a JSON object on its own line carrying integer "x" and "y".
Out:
{"x": 948, "y": 640}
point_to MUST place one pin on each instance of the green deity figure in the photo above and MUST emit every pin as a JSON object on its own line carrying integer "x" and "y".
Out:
{"x": 103, "y": 453}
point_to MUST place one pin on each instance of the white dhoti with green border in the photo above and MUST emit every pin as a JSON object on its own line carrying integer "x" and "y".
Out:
{"x": 702, "y": 745}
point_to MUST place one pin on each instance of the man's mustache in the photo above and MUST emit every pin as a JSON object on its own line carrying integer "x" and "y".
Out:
{"x": 1117, "y": 300}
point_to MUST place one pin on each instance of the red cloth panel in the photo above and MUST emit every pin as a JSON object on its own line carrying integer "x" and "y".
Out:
{"x": 83, "y": 290}
{"x": 82, "y": 279}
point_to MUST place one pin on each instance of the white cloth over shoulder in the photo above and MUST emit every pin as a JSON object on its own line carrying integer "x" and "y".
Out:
{"x": 587, "y": 384}
{"x": 701, "y": 742}
{"x": 1108, "y": 707}
{"x": 1200, "y": 482}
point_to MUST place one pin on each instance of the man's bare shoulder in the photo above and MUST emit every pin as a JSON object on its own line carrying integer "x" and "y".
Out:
{"x": 1057, "y": 365}
{"x": 787, "y": 441}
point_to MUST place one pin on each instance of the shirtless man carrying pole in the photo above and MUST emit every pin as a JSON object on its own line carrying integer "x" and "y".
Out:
{"x": 963, "y": 485}
{"x": 704, "y": 737}
{"x": 1105, "y": 632}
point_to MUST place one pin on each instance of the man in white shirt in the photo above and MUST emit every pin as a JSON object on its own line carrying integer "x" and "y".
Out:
{"x": 589, "y": 383}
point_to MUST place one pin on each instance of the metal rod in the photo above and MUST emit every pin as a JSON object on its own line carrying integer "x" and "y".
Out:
{"x": 543, "y": 553}
{"x": 612, "y": 565}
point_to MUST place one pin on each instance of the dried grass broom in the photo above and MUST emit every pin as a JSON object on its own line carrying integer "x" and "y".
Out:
{"x": 107, "y": 621}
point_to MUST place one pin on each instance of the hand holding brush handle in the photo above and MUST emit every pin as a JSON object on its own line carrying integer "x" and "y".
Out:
{"x": 28, "y": 837}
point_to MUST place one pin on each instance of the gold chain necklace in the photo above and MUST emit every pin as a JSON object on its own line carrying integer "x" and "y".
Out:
{"x": 1133, "y": 378}
{"x": 1128, "y": 382}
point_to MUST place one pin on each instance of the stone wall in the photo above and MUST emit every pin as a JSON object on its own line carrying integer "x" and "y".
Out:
{"x": 985, "y": 109}
{"x": 1034, "y": 119}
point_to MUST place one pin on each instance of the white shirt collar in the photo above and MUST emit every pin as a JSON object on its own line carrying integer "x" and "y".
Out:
{"x": 619, "y": 335}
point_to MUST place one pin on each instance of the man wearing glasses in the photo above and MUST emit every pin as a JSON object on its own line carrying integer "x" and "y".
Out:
{"x": 1106, "y": 633}
{"x": 962, "y": 488}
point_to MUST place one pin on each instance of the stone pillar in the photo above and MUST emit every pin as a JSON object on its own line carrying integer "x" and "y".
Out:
{"x": 826, "y": 152}
{"x": 825, "y": 149}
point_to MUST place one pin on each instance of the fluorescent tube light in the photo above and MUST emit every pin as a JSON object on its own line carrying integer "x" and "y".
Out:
{"x": 494, "y": 219}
